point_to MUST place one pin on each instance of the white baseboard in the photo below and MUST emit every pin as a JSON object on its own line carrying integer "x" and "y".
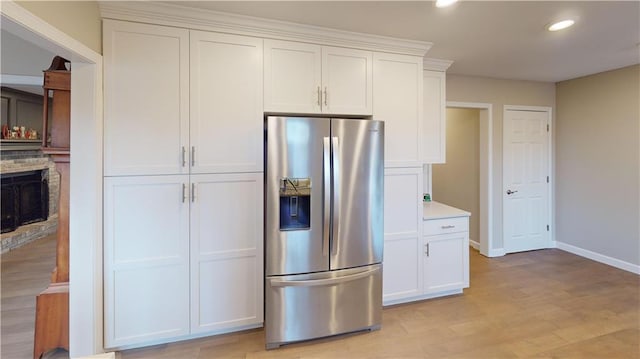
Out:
{"x": 498, "y": 252}
{"x": 110, "y": 355}
{"x": 629, "y": 267}
{"x": 475, "y": 245}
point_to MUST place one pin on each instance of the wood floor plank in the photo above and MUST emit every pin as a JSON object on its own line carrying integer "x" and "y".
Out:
{"x": 542, "y": 304}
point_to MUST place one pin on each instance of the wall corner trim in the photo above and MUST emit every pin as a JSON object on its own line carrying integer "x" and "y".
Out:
{"x": 498, "y": 252}
{"x": 617, "y": 263}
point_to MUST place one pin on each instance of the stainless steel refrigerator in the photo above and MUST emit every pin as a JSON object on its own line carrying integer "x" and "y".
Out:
{"x": 323, "y": 227}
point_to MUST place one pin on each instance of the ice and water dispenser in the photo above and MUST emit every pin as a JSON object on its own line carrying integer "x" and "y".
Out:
{"x": 295, "y": 203}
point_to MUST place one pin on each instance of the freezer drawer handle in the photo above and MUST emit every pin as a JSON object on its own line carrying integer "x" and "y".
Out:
{"x": 319, "y": 282}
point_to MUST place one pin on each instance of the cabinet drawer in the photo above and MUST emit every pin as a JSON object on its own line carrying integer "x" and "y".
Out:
{"x": 445, "y": 225}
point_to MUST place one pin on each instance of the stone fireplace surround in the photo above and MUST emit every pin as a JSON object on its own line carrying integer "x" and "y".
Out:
{"x": 13, "y": 161}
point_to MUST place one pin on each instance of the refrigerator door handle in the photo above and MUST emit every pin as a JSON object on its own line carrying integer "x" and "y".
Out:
{"x": 326, "y": 173}
{"x": 335, "y": 221}
{"x": 320, "y": 282}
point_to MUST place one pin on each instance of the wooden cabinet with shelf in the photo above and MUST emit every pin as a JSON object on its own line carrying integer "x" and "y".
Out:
{"x": 22, "y": 109}
{"x": 52, "y": 305}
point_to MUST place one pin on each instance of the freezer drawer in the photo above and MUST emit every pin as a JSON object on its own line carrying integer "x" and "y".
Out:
{"x": 308, "y": 306}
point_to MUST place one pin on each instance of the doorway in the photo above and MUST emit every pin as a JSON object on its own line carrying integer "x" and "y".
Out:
{"x": 483, "y": 240}
{"x": 85, "y": 225}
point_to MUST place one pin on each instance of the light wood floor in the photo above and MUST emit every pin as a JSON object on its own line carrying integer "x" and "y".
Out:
{"x": 543, "y": 304}
{"x": 26, "y": 271}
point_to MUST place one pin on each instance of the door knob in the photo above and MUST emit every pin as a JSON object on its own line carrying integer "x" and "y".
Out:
{"x": 511, "y": 192}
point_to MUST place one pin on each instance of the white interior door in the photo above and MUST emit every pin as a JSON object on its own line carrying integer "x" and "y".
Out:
{"x": 525, "y": 180}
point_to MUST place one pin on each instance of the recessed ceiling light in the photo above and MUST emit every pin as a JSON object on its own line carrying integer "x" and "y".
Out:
{"x": 445, "y": 3}
{"x": 561, "y": 25}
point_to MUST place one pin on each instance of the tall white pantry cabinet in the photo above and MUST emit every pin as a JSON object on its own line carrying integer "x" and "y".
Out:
{"x": 183, "y": 158}
{"x": 183, "y": 182}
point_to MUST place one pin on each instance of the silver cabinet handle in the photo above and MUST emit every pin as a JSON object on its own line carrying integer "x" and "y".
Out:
{"x": 448, "y": 227}
{"x": 184, "y": 156}
{"x": 319, "y": 97}
{"x": 193, "y": 192}
{"x": 426, "y": 250}
{"x": 325, "y": 96}
{"x": 511, "y": 192}
{"x": 184, "y": 193}
{"x": 193, "y": 156}
{"x": 318, "y": 282}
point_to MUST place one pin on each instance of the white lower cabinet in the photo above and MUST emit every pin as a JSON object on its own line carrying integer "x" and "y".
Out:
{"x": 183, "y": 256}
{"x": 446, "y": 254}
{"x": 402, "y": 275}
{"x": 435, "y": 265}
{"x": 146, "y": 259}
{"x": 446, "y": 262}
{"x": 226, "y": 251}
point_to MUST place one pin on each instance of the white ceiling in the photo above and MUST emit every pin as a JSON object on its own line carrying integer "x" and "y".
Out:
{"x": 23, "y": 62}
{"x": 500, "y": 39}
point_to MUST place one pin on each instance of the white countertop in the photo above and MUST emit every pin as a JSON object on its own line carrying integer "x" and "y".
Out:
{"x": 436, "y": 210}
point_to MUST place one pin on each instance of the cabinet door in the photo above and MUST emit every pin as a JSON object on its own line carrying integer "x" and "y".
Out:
{"x": 146, "y": 259}
{"x": 402, "y": 274}
{"x": 292, "y": 77}
{"x": 347, "y": 77}
{"x": 226, "y": 126}
{"x": 434, "y": 136}
{"x": 398, "y": 102}
{"x": 146, "y": 92}
{"x": 446, "y": 262}
{"x": 226, "y": 252}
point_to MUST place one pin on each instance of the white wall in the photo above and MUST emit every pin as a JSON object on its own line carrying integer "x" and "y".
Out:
{"x": 499, "y": 93}
{"x": 79, "y": 19}
{"x": 598, "y": 164}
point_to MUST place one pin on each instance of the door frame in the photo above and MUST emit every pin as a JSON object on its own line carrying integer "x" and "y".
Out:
{"x": 550, "y": 168}
{"x": 85, "y": 197}
{"x": 486, "y": 244}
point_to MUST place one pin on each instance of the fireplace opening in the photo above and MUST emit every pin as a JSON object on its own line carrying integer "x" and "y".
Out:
{"x": 25, "y": 198}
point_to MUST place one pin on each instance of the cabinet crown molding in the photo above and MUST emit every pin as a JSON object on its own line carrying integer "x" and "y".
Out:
{"x": 436, "y": 64}
{"x": 207, "y": 20}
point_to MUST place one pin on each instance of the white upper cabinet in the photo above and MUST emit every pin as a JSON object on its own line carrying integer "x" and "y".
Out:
{"x": 292, "y": 75}
{"x": 434, "y": 117}
{"x": 226, "y": 103}
{"x": 146, "y": 94}
{"x": 398, "y": 102}
{"x": 347, "y": 76}
{"x": 307, "y": 78}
